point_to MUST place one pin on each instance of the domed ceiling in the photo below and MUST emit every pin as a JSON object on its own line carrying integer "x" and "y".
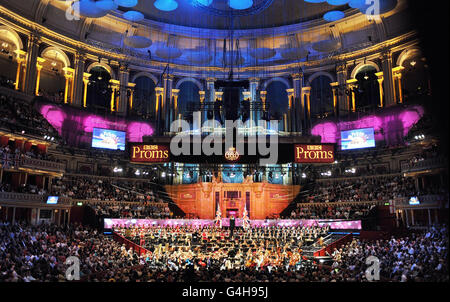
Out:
{"x": 216, "y": 15}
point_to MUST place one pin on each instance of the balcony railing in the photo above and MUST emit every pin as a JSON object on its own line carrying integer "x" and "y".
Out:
{"x": 46, "y": 165}
{"x": 29, "y": 198}
{"x": 427, "y": 164}
{"x": 424, "y": 201}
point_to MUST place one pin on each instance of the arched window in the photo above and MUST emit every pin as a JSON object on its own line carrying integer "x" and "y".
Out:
{"x": 415, "y": 78}
{"x": 187, "y": 98}
{"x": 99, "y": 90}
{"x": 321, "y": 97}
{"x": 144, "y": 97}
{"x": 278, "y": 102}
{"x": 368, "y": 92}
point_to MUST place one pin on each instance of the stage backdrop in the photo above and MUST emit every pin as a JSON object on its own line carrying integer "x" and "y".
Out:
{"x": 263, "y": 200}
{"x": 336, "y": 224}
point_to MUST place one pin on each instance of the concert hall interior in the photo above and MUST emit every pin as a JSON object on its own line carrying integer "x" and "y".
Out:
{"x": 221, "y": 141}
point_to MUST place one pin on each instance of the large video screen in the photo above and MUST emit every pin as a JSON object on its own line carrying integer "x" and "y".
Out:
{"x": 108, "y": 139}
{"x": 358, "y": 139}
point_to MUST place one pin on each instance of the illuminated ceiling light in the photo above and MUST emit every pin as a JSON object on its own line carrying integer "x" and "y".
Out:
{"x": 413, "y": 63}
{"x": 126, "y": 3}
{"x": 133, "y": 16}
{"x": 89, "y": 9}
{"x": 205, "y": 2}
{"x": 240, "y": 4}
{"x": 356, "y": 3}
{"x": 334, "y": 16}
{"x": 337, "y": 2}
{"x": 106, "y": 4}
{"x": 366, "y": 77}
{"x": 166, "y": 5}
{"x": 53, "y": 64}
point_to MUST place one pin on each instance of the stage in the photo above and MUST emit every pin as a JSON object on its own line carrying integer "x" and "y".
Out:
{"x": 335, "y": 224}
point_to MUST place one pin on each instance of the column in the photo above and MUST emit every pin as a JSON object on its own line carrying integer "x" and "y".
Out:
{"x": 334, "y": 88}
{"x": 297, "y": 84}
{"x": 291, "y": 112}
{"x": 14, "y": 215}
{"x": 130, "y": 95}
{"x": 341, "y": 71}
{"x": 386, "y": 59}
{"x": 39, "y": 66}
{"x": 352, "y": 84}
{"x": 210, "y": 89}
{"x": 78, "y": 96}
{"x": 397, "y": 74}
{"x": 175, "y": 94}
{"x": 21, "y": 60}
{"x": 86, "y": 77}
{"x": 115, "y": 84}
{"x": 159, "y": 92}
{"x": 32, "y": 55}
{"x": 306, "y": 106}
{"x": 204, "y": 112}
{"x": 248, "y": 98}
{"x": 219, "y": 97}
{"x": 412, "y": 218}
{"x": 68, "y": 75}
{"x": 254, "y": 116}
{"x": 380, "y": 83}
{"x": 166, "y": 105}
{"x": 263, "y": 96}
{"x": 429, "y": 217}
{"x": 124, "y": 76}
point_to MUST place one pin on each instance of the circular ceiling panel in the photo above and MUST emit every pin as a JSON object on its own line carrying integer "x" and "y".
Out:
{"x": 133, "y": 16}
{"x": 89, "y": 9}
{"x": 199, "y": 57}
{"x": 106, "y": 4}
{"x": 327, "y": 45}
{"x": 137, "y": 42}
{"x": 216, "y": 14}
{"x": 334, "y": 15}
{"x": 167, "y": 52}
{"x": 293, "y": 53}
{"x": 126, "y": 3}
{"x": 262, "y": 53}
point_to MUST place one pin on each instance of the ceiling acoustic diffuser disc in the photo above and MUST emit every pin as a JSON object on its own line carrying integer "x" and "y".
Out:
{"x": 137, "y": 42}
{"x": 89, "y": 9}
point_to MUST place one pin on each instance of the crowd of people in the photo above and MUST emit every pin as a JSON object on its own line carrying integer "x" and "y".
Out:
{"x": 10, "y": 156}
{"x": 418, "y": 257}
{"x": 38, "y": 253}
{"x": 361, "y": 189}
{"x": 141, "y": 210}
{"x": 18, "y": 115}
{"x": 89, "y": 188}
{"x": 332, "y": 212}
